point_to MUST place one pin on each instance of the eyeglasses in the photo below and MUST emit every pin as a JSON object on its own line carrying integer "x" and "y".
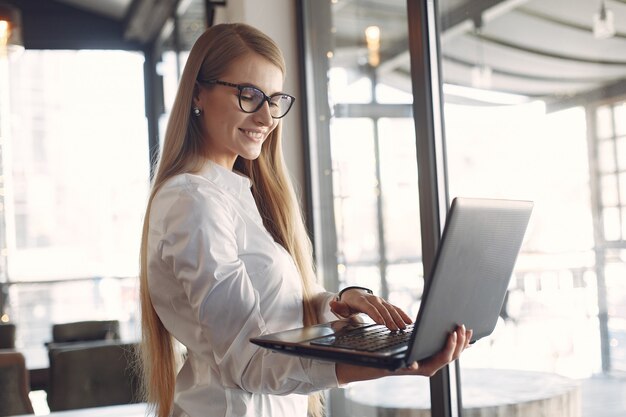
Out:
{"x": 251, "y": 99}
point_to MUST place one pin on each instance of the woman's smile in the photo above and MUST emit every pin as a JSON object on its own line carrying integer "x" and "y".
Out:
{"x": 255, "y": 135}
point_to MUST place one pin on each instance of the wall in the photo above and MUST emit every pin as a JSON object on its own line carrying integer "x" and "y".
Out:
{"x": 277, "y": 18}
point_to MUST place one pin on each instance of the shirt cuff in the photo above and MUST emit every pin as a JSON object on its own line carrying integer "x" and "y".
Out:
{"x": 326, "y": 313}
{"x": 323, "y": 375}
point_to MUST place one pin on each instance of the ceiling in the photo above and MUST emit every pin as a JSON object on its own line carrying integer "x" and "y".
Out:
{"x": 533, "y": 48}
{"x": 116, "y": 9}
{"x": 108, "y": 24}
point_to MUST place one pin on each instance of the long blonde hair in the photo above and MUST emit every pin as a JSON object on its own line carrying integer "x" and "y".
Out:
{"x": 184, "y": 151}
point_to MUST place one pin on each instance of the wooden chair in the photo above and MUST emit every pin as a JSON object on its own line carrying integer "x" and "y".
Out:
{"x": 81, "y": 331}
{"x": 92, "y": 374}
{"x": 7, "y": 336}
{"x": 14, "y": 385}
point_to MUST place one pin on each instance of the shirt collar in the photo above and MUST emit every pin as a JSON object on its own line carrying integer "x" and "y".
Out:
{"x": 233, "y": 181}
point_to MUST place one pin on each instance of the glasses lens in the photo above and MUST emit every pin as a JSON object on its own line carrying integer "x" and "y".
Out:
{"x": 250, "y": 99}
{"x": 280, "y": 105}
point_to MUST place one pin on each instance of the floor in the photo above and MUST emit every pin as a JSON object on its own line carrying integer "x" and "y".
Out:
{"x": 604, "y": 396}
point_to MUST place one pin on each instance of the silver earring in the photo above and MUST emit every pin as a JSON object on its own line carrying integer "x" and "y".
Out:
{"x": 196, "y": 111}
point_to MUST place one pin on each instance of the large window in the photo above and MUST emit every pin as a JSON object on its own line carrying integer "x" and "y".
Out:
{"x": 75, "y": 186}
{"x": 533, "y": 105}
{"x": 533, "y": 116}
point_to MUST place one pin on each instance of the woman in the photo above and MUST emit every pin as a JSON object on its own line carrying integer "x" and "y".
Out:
{"x": 225, "y": 255}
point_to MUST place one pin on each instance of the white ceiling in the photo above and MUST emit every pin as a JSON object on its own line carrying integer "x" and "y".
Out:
{"x": 542, "y": 48}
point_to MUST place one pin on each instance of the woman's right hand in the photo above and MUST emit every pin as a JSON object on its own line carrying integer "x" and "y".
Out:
{"x": 457, "y": 342}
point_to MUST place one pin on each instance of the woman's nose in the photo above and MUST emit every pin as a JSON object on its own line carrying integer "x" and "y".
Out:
{"x": 263, "y": 116}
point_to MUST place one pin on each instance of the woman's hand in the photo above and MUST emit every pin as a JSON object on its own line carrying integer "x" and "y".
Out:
{"x": 457, "y": 342}
{"x": 355, "y": 301}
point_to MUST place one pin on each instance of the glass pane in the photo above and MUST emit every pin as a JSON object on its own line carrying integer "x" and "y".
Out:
{"x": 366, "y": 276}
{"x": 345, "y": 88}
{"x": 80, "y": 164}
{"x": 392, "y": 95}
{"x": 406, "y": 285}
{"x": 609, "y": 191}
{"x": 604, "y": 122}
{"x": 552, "y": 335}
{"x": 167, "y": 70}
{"x": 622, "y": 188}
{"x": 78, "y": 186}
{"x": 615, "y": 273}
{"x": 355, "y": 190}
{"x": 37, "y": 306}
{"x": 620, "y": 119}
{"x": 606, "y": 156}
{"x": 612, "y": 223}
{"x": 621, "y": 153}
{"x": 399, "y": 183}
{"x": 372, "y": 139}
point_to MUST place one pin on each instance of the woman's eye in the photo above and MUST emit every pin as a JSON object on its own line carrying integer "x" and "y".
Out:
{"x": 249, "y": 94}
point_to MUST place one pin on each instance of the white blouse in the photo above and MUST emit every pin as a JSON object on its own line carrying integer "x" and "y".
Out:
{"x": 217, "y": 278}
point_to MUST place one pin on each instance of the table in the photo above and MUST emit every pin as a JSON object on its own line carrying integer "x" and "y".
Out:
{"x": 126, "y": 410}
{"x": 485, "y": 393}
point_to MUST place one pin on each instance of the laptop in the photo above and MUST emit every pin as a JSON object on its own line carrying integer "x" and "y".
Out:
{"x": 467, "y": 285}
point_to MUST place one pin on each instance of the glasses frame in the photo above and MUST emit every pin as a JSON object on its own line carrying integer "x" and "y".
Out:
{"x": 266, "y": 98}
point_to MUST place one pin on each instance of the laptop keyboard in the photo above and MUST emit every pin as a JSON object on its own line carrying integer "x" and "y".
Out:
{"x": 373, "y": 338}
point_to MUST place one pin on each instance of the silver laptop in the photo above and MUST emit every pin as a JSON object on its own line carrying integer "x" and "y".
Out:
{"x": 467, "y": 285}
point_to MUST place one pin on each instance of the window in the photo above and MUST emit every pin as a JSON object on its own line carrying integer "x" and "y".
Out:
{"x": 76, "y": 181}
{"x": 533, "y": 107}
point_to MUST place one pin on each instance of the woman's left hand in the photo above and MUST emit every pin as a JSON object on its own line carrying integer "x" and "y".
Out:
{"x": 355, "y": 301}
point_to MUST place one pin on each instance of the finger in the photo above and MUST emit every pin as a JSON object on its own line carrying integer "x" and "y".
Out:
{"x": 405, "y": 319}
{"x": 461, "y": 334}
{"x": 370, "y": 309}
{"x": 431, "y": 366}
{"x": 392, "y": 317}
{"x": 400, "y": 317}
{"x": 339, "y": 308}
{"x": 468, "y": 337}
{"x": 396, "y": 315}
{"x": 386, "y": 314}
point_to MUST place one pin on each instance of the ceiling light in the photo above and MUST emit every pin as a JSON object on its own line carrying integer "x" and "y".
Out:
{"x": 10, "y": 28}
{"x": 603, "y": 24}
{"x": 372, "y": 37}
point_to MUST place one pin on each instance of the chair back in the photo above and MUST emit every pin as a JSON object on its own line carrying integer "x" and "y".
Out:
{"x": 81, "y": 331}
{"x": 7, "y": 336}
{"x": 92, "y": 374}
{"x": 14, "y": 385}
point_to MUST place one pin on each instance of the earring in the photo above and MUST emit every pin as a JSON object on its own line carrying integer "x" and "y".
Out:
{"x": 196, "y": 111}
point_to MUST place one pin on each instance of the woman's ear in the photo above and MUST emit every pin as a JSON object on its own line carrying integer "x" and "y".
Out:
{"x": 196, "y": 95}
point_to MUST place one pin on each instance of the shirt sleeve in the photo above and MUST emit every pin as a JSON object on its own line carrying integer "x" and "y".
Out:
{"x": 322, "y": 299}
{"x": 201, "y": 236}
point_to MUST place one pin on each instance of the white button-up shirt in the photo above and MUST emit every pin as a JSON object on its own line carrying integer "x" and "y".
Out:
{"x": 217, "y": 278}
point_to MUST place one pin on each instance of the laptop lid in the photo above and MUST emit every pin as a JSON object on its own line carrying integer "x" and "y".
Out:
{"x": 471, "y": 272}
{"x": 470, "y": 275}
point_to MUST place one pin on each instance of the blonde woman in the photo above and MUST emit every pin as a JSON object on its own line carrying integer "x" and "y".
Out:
{"x": 225, "y": 255}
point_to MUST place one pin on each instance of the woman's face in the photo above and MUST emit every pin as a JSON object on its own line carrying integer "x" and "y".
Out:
{"x": 230, "y": 132}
